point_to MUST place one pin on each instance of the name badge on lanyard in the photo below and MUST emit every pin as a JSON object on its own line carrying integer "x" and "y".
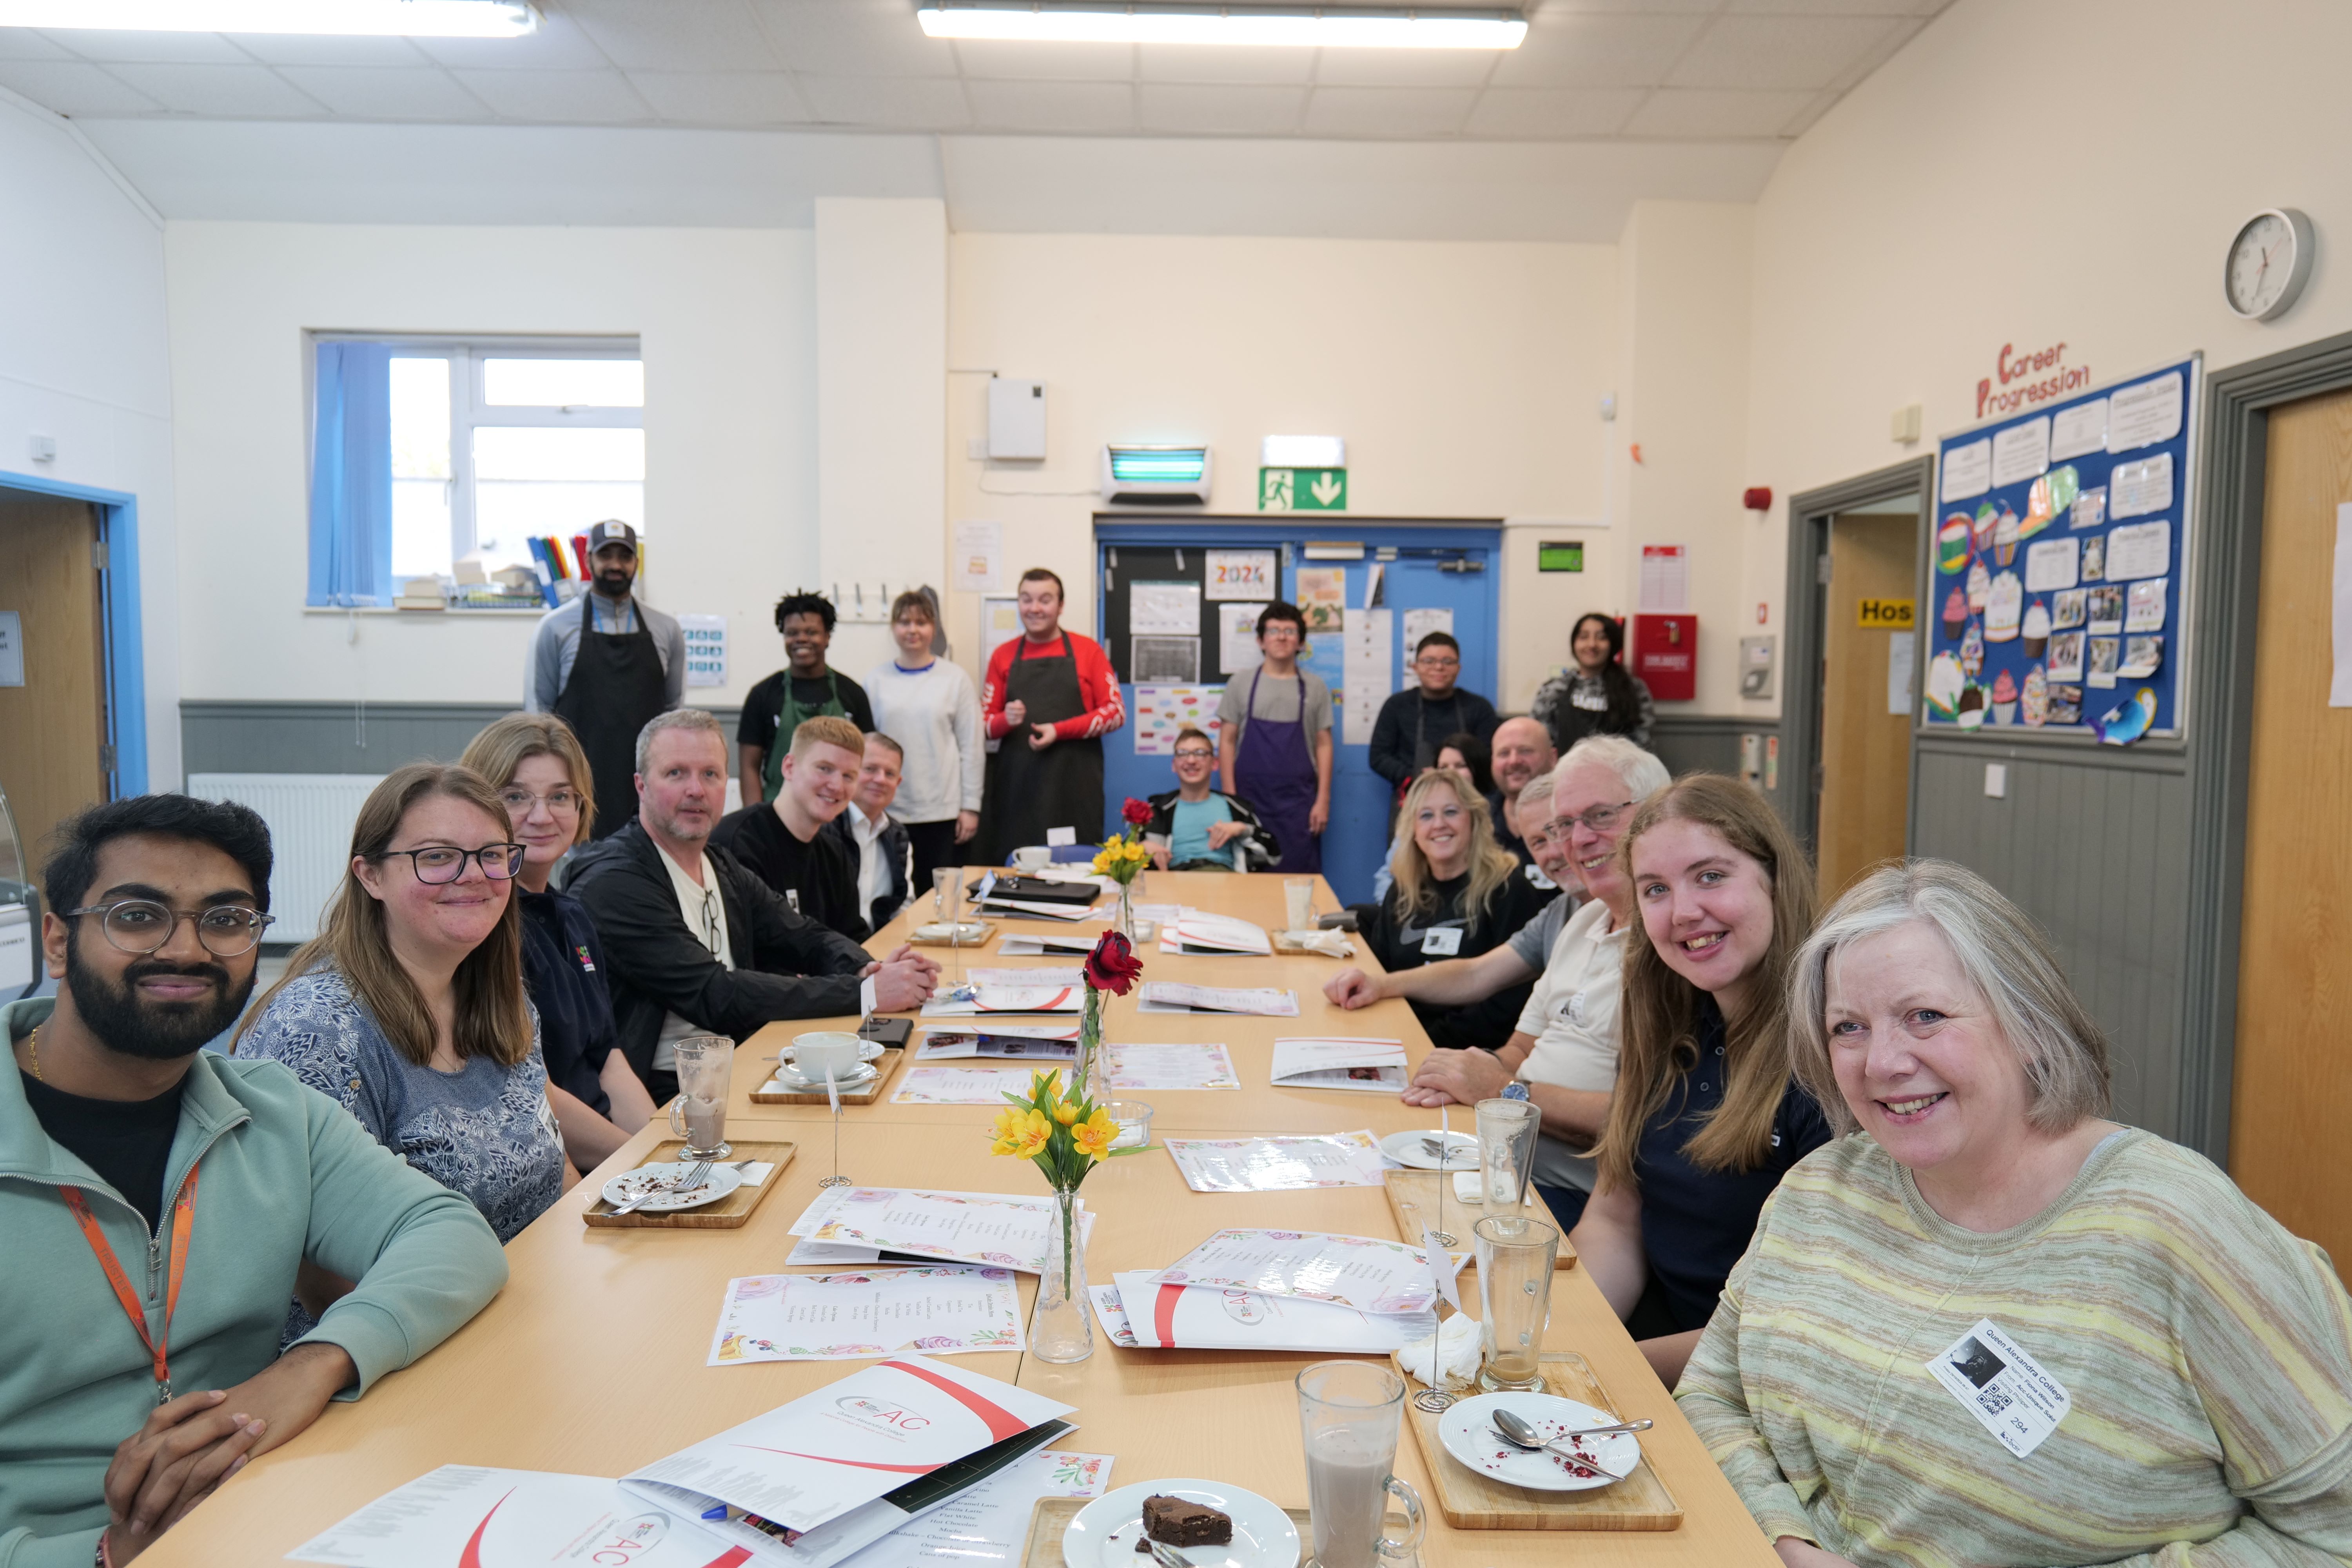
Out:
{"x": 2004, "y": 1388}
{"x": 1440, "y": 941}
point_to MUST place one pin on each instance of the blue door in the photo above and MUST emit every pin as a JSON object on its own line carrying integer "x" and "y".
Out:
{"x": 1422, "y": 567}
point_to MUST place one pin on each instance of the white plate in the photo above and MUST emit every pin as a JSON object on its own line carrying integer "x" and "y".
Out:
{"x": 966, "y": 931}
{"x": 866, "y": 1051}
{"x": 1405, "y": 1149}
{"x": 790, "y": 1079}
{"x": 1104, "y": 1533}
{"x": 716, "y": 1182}
{"x": 1466, "y": 1430}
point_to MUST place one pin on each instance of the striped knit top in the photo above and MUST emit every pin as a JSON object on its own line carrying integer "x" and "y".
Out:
{"x": 2207, "y": 1354}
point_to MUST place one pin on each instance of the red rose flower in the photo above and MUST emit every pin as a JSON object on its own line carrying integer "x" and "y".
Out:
{"x": 1137, "y": 813}
{"x": 1112, "y": 966}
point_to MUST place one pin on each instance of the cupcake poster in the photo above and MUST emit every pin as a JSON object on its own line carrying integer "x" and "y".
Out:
{"x": 2055, "y": 562}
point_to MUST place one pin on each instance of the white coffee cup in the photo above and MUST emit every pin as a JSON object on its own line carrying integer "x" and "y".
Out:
{"x": 1032, "y": 857}
{"x": 825, "y": 1050}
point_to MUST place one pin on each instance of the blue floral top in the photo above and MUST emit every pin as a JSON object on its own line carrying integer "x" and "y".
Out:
{"x": 484, "y": 1131}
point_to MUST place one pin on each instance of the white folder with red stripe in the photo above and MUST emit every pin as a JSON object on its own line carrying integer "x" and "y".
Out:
{"x": 1158, "y": 1316}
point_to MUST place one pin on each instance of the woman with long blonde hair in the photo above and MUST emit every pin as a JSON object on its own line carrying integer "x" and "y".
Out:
{"x": 1704, "y": 1117}
{"x": 408, "y": 1009}
{"x": 1454, "y": 893}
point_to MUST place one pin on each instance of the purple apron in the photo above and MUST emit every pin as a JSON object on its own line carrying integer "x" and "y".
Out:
{"x": 1276, "y": 776}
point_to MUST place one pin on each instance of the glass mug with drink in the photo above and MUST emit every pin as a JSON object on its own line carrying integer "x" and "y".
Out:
{"x": 1298, "y": 902}
{"x": 1516, "y": 1255}
{"x": 706, "y": 1068}
{"x": 1507, "y": 1152}
{"x": 1350, "y": 1414}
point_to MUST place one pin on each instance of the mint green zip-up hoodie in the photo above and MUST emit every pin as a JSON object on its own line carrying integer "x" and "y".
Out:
{"x": 286, "y": 1173}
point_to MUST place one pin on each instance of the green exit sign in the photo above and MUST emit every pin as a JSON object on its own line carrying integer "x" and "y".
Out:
{"x": 1556, "y": 555}
{"x": 1302, "y": 489}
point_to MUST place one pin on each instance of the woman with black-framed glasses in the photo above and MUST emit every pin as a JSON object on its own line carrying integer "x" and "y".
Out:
{"x": 408, "y": 1009}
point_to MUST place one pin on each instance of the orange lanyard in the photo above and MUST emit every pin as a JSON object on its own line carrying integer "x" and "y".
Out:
{"x": 184, "y": 1221}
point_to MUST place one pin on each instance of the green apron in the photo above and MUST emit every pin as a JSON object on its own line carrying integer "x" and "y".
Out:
{"x": 789, "y": 714}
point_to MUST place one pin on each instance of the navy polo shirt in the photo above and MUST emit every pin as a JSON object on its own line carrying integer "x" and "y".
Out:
{"x": 1696, "y": 1223}
{"x": 563, "y": 968}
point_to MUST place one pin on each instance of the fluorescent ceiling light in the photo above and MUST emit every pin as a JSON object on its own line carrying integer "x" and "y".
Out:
{"x": 1300, "y": 27}
{"x": 412, "y": 18}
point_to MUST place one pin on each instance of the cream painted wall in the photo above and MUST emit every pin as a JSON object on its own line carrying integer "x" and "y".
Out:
{"x": 2026, "y": 173}
{"x": 726, "y": 317}
{"x": 1466, "y": 378}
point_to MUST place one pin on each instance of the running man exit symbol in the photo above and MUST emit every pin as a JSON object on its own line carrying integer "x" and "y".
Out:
{"x": 1302, "y": 489}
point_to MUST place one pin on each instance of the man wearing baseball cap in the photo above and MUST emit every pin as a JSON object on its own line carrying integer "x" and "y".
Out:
{"x": 605, "y": 664}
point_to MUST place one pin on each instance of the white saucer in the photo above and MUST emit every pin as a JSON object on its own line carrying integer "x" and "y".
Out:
{"x": 1465, "y": 1429}
{"x": 716, "y": 1182}
{"x": 857, "y": 1077}
{"x": 975, "y": 931}
{"x": 866, "y": 1051}
{"x": 1104, "y": 1533}
{"x": 1405, "y": 1149}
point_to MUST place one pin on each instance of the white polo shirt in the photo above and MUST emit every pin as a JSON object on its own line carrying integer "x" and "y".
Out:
{"x": 1572, "y": 1014}
{"x": 704, "y": 915}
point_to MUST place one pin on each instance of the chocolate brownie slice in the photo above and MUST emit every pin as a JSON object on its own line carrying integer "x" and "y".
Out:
{"x": 1172, "y": 1521}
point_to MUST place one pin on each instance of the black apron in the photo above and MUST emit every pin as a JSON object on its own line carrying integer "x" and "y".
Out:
{"x": 1061, "y": 787}
{"x": 616, "y": 685}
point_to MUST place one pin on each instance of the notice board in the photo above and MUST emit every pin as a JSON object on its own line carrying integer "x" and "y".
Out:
{"x": 2057, "y": 598}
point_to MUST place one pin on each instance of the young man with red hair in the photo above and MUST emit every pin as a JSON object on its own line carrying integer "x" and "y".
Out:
{"x": 1050, "y": 698}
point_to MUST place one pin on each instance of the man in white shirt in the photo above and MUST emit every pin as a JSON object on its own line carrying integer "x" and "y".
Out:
{"x": 1563, "y": 1055}
{"x": 886, "y": 853}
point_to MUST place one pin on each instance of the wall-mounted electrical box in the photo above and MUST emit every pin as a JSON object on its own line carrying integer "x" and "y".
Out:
{"x": 1017, "y": 420}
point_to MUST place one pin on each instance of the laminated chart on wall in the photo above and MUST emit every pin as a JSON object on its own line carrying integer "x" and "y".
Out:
{"x": 2056, "y": 602}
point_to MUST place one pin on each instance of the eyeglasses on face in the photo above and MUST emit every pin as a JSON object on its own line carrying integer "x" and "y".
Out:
{"x": 1194, "y": 754}
{"x": 518, "y": 802}
{"x": 142, "y": 926}
{"x": 440, "y": 863}
{"x": 1596, "y": 819}
{"x": 1436, "y": 661}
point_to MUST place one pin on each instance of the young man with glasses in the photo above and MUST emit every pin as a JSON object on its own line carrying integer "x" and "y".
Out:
{"x": 1196, "y": 828}
{"x": 1414, "y": 722}
{"x": 1273, "y": 739}
{"x": 157, "y": 1200}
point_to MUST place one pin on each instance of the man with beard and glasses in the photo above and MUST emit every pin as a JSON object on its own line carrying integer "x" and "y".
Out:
{"x": 156, "y": 1200}
{"x": 605, "y": 664}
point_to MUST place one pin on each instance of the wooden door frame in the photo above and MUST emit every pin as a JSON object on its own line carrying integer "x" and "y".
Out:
{"x": 124, "y": 678}
{"x": 2229, "y": 543}
{"x": 1806, "y": 612}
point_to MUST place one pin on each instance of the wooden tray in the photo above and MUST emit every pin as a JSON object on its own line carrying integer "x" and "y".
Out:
{"x": 885, "y": 1066}
{"x": 987, "y": 934}
{"x": 729, "y": 1213}
{"x": 1413, "y": 1199}
{"x": 1473, "y": 1502}
{"x": 1050, "y": 1520}
{"x": 1282, "y": 943}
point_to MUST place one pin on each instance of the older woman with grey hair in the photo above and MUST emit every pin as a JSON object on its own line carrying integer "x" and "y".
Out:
{"x": 1990, "y": 1326}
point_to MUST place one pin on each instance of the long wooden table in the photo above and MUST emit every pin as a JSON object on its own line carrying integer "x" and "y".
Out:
{"x": 592, "y": 1361}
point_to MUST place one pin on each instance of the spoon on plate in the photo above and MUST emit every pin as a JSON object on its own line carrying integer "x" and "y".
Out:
{"x": 1519, "y": 1431}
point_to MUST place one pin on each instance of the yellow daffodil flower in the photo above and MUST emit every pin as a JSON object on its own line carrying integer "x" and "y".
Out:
{"x": 1065, "y": 1111}
{"x": 1094, "y": 1136}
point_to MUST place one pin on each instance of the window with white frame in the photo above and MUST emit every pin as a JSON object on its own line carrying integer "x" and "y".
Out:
{"x": 428, "y": 452}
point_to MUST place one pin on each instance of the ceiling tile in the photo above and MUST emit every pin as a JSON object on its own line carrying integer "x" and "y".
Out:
{"x": 107, "y": 45}
{"x": 1406, "y": 68}
{"x": 325, "y": 50}
{"x": 1046, "y": 62}
{"x": 1388, "y": 112}
{"x": 1099, "y": 106}
{"x": 222, "y": 91}
{"x": 723, "y": 98}
{"x": 25, "y": 44}
{"x": 661, "y": 34}
{"x": 1547, "y": 113}
{"x": 374, "y": 92}
{"x": 1582, "y": 49}
{"x": 1675, "y": 112}
{"x": 1191, "y": 110}
{"x": 1215, "y": 62}
{"x": 884, "y": 103}
{"x": 1763, "y": 53}
{"x": 589, "y": 97}
{"x": 853, "y": 38}
{"x": 70, "y": 87}
{"x": 557, "y": 44}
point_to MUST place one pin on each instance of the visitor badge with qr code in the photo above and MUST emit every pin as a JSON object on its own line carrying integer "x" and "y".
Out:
{"x": 2002, "y": 1387}
{"x": 1442, "y": 941}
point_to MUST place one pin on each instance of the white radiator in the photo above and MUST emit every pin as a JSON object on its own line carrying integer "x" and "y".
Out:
{"x": 310, "y": 817}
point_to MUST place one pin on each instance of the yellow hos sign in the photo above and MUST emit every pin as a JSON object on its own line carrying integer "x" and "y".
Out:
{"x": 1885, "y": 615}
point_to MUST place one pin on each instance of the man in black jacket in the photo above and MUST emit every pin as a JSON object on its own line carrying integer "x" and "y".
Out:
{"x": 695, "y": 941}
{"x": 1414, "y": 722}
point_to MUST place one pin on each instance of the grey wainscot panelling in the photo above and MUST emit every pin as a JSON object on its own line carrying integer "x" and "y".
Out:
{"x": 1700, "y": 744}
{"x": 339, "y": 737}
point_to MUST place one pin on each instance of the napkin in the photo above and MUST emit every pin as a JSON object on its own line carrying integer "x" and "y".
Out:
{"x": 1449, "y": 1355}
{"x": 1330, "y": 943}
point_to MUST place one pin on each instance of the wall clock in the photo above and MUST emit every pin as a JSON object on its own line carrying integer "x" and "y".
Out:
{"x": 2268, "y": 264}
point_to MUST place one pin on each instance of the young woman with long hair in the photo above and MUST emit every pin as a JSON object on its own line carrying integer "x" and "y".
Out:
{"x": 1704, "y": 1117}
{"x": 1454, "y": 893}
{"x": 1597, "y": 695}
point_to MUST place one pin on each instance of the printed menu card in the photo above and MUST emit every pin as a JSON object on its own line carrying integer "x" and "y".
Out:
{"x": 1358, "y": 1271}
{"x": 1339, "y": 1063}
{"x": 969, "y": 1227}
{"x": 1276, "y": 1164}
{"x": 859, "y": 1314}
{"x": 1140, "y": 1312}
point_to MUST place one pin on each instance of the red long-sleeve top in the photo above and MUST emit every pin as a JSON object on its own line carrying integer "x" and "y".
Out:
{"x": 1098, "y": 688}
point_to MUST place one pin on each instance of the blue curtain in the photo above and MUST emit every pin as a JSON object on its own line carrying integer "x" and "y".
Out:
{"x": 351, "y": 477}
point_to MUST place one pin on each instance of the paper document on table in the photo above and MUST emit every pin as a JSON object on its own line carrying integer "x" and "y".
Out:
{"x": 1032, "y": 910}
{"x": 844, "y": 1465}
{"x": 1031, "y": 944}
{"x": 1050, "y": 1043}
{"x": 503, "y": 1518}
{"x": 1129, "y": 1066}
{"x": 866, "y": 1313}
{"x": 1043, "y": 974}
{"x": 985, "y": 1527}
{"x": 1377, "y": 1066}
{"x": 960, "y": 1086}
{"x": 967, "y": 1227}
{"x": 1276, "y": 1164}
{"x": 966, "y": 1000}
{"x": 1260, "y": 1000}
{"x": 1139, "y": 1312}
{"x": 1360, "y": 1271}
{"x": 829, "y": 1254}
{"x": 1194, "y": 931}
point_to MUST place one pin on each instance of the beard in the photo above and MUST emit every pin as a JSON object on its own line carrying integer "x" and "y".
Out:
{"x": 160, "y": 1031}
{"x": 612, "y": 582}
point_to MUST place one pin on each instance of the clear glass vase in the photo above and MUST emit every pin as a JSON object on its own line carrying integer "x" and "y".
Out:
{"x": 1059, "y": 1329}
{"x": 1122, "y": 917}
{"x": 1091, "y": 1049}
